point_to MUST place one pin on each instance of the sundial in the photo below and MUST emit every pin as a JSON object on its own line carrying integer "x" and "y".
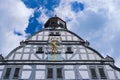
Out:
{"x": 54, "y": 49}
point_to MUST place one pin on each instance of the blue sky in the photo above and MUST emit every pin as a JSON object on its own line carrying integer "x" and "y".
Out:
{"x": 95, "y": 21}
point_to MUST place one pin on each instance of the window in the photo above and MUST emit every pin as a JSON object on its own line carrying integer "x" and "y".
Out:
{"x": 69, "y": 50}
{"x": 57, "y": 34}
{"x": 53, "y": 22}
{"x": 54, "y": 72}
{"x": 50, "y": 73}
{"x": 54, "y": 34}
{"x": 16, "y": 74}
{"x": 51, "y": 34}
{"x": 93, "y": 73}
{"x": 102, "y": 73}
{"x": 40, "y": 50}
{"x": 61, "y": 25}
{"x": 59, "y": 72}
{"x": 100, "y": 70}
{"x": 7, "y": 74}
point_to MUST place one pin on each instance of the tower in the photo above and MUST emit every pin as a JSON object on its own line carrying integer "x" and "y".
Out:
{"x": 55, "y": 53}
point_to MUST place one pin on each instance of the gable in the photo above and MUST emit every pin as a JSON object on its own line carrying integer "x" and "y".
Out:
{"x": 41, "y": 39}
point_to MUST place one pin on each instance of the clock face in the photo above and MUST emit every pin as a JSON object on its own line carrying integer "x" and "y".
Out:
{"x": 54, "y": 49}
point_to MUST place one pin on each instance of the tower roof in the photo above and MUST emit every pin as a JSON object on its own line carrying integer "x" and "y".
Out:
{"x": 55, "y": 22}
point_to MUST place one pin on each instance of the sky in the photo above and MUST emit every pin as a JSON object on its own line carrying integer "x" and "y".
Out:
{"x": 97, "y": 21}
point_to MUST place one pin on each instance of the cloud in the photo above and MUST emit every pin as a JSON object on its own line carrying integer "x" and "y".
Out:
{"x": 17, "y": 33}
{"x": 107, "y": 37}
{"x": 46, "y": 4}
{"x": 34, "y": 25}
{"x": 45, "y": 15}
{"x": 98, "y": 22}
{"x": 42, "y": 11}
{"x": 77, "y": 6}
{"x": 14, "y": 18}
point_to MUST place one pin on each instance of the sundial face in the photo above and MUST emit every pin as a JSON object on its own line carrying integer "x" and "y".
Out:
{"x": 54, "y": 48}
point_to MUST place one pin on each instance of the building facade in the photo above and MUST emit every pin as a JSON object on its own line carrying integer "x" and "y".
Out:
{"x": 55, "y": 53}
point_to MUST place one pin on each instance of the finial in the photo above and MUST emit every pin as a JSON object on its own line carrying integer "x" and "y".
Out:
{"x": 55, "y": 15}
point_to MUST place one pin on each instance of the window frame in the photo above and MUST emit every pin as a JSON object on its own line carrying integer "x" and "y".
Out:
{"x": 102, "y": 73}
{"x": 93, "y": 73}
{"x": 55, "y": 74}
{"x": 59, "y": 73}
{"x": 16, "y": 73}
{"x": 69, "y": 50}
{"x": 7, "y": 73}
{"x": 49, "y": 73}
{"x": 57, "y": 33}
{"x": 99, "y": 74}
{"x": 39, "y": 50}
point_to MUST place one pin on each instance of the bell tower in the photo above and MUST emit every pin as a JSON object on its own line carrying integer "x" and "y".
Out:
{"x": 55, "y": 23}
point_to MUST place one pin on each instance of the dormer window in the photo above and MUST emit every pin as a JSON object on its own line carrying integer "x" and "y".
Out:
{"x": 39, "y": 50}
{"x": 69, "y": 50}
